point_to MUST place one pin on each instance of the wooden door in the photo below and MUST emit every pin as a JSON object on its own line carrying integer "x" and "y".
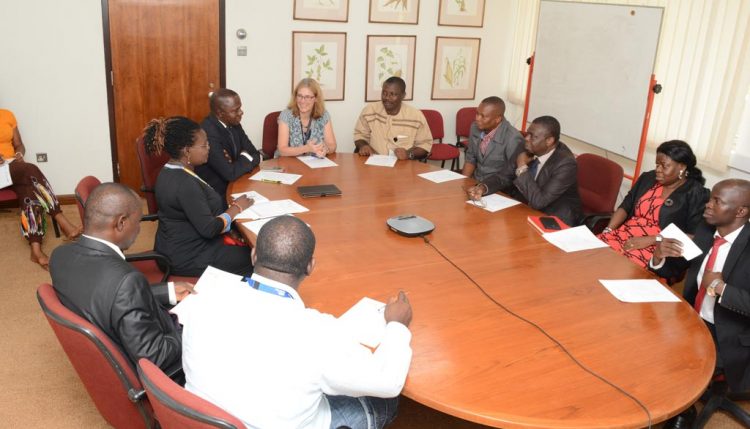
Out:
{"x": 165, "y": 59}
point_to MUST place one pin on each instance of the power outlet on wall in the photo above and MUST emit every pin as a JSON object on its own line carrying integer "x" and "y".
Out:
{"x": 41, "y": 157}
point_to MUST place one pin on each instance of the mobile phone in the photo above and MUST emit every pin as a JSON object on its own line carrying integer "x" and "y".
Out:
{"x": 549, "y": 222}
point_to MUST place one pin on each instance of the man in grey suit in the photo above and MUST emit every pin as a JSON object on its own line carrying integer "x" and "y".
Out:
{"x": 92, "y": 279}
{"x": 492, "y": 140}
{"x": 542, "y": 174}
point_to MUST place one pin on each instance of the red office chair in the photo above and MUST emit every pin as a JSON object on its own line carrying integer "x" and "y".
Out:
{"x": 8, "y": 194}
{"x": 176, "y": 408}
{"x": 464, "y": 118}
{"x": 104, "y": 370}
{"x": 270, "y": 134}
{"x": 153, "y": 265}
{"x": 440, "y": 151}
{"x": 599, "y": 181}
{"x": 151, "y": 165}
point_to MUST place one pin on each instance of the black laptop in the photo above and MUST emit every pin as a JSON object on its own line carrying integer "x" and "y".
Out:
{"x": 318, "y": 191}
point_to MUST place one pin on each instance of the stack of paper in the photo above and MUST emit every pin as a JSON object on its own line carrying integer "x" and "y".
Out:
{"x": 574, "y": 239}
{"x": 275, "y": 177}
{"x": 441, "y": 176}
{"x": 689, "y": 249}
{"x": 5, "y": 179}
{"x": 315, "y": 162}
{"x": 366, "y": 321}
{"x": 381, "y": 160}
{"x": 256, "y": 225}
{"x": 272, "y": 209}
{"x": 493, "y": 202}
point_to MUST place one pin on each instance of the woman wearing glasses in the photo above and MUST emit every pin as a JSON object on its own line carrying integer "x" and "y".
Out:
{"x": 305, "y": 126}
{"x": 192, "y": 219}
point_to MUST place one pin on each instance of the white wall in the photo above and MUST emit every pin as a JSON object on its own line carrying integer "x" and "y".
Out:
{"x": 52, "y": 77}
{"x": 263, "y": 78}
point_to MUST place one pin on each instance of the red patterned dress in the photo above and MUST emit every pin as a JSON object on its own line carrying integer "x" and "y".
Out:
{"x": 644, "y": 222}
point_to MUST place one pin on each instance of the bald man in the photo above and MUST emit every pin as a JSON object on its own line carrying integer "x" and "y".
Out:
{"x": 717, "y": 283}
{"x": 231, "y": 153}
{"x": 267, "y": 359}
{"x": 92, "y": 279}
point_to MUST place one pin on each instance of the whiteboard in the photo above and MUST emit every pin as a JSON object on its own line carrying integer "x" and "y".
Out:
{"x": 592, "y": 70}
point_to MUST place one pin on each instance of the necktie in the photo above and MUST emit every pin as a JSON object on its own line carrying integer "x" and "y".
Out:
{"x": 718, "y": 241}
{"x": 234, "y": 142}
{"x": 485, "y": 144}
{"x": 533, "y": 167}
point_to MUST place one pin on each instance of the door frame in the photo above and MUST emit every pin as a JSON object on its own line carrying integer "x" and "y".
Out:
{"x": 110, "y": 82}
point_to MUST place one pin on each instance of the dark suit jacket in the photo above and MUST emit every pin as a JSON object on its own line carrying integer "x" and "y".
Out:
{"x": 685, "y": 209}
{"x": 732, "y": 314}
{"x": 93, "y": 281}
{"x": 555, "y": 190}
{"x": 226, "y": 143}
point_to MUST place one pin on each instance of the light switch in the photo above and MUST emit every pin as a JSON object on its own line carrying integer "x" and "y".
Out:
{"x": 241, "y": 51}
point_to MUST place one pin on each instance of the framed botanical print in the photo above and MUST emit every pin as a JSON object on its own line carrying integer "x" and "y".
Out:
{"x": 394, "y": 11}
{"x": 454, "y": 75}
{"x": 320, "y": 56}
{"x": 322, "y": 10}
{"x": 461, "y": 13}
{"x": 389, "y": 56}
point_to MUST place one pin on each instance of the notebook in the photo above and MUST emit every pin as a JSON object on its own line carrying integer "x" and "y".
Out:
{"x": 318, "y": 191}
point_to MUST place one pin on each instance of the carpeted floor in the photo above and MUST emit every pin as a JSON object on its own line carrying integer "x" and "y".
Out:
{"x": 40, "y": 387}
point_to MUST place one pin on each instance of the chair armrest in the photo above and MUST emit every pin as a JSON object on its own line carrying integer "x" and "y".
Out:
{"x": 151, "y": 217}
{"x": 161, "y": 260}
{"x": 596, "y": 222}
{"x": 145, "y": 188}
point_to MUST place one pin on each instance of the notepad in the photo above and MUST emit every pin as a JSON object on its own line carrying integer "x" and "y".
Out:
{"x": 274, "y": 176}
{"x": 441, "y": 176}
{"x": 381, "y": 160}
{"x": 639, "y": 290}
{"x": 366, "y": 321}
{"x": 315, "y": 162}
{"x": 493, "y": 202}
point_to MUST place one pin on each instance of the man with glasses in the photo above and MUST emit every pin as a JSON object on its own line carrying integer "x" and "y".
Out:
{"x": 390, "y": 126}
{"x": 231, "y": 152}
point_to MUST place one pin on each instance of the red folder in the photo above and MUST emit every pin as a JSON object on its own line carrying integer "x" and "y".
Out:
{"x": 536, "y": 222}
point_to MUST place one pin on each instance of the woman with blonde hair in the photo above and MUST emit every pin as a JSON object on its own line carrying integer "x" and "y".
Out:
{"x": 305, "y": 126}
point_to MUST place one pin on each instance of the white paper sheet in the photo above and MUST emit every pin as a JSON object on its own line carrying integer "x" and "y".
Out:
{"x": 5, "y": 179}
{"x": 441, "y": 176}
{"x": 275, "y": 176}
{"x": 574, "y": 239}
{"x": 366, "y": 321}
{"x": 315, "y": 162}
{"x": 639, "y": 290}
{"x": 494, "y": 202}
{"x": 272, "y": 209}
{"x": 689, "y": 249}
{"x": 213, "y": 284}
{"x": 256, "y": 225}
{"x": 258, "y": 198}
{"x": 381, "y": 160}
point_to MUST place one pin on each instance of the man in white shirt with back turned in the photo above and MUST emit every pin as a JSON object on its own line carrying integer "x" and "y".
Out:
{"x": 273, "y": 363}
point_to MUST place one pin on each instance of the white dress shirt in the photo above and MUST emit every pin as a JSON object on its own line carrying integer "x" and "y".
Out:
{"x": 707, "y": 308}
{"x": 268, "y": 360}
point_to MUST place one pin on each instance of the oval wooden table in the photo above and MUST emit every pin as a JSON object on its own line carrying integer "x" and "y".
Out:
{"x": 472, "y": 358}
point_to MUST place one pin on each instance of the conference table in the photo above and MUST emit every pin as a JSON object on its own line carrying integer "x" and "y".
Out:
{"x": 556, "y": 349}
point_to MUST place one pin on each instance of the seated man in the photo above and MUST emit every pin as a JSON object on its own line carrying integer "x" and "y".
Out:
{"x": 273, "y": 363}
{"x": 92, "y": 278}
{"x": 231, "y": 153}
{"x": 389, "y": 125}
{"x": 717, "y": 283}
{"x": 492, "y": 140}
{"x": 542, "y": 174}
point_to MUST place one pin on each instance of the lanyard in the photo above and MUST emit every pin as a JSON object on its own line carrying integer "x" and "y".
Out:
{"x": 268, "y": 289}
{"x": 192, "y": 173}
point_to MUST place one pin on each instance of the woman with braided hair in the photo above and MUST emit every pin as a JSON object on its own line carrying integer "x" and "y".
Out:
{"x": 192, "y": 220}
{"x": 35, "y": 196}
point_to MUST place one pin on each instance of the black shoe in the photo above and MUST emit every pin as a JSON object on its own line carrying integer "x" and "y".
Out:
{"x": 684, "y": 420}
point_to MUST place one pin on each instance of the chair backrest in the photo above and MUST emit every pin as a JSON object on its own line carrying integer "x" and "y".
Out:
{"x": 435, "y": 122}
{"x": 464, "y": 118}
{"x": 83, "y": 190}
{"x": 177, "y": 408}
{"x": 151, "y": 165}
{"x": 599, "y": 181}
{"x": 104, "y": 370}
{"x": 270, "y": 134}
{"x": 8, "y": 194}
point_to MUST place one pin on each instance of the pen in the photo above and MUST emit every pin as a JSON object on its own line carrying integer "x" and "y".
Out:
{"x": 277, "y": 182}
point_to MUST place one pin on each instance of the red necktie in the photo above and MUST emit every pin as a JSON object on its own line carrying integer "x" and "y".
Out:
{"x": 718, "y": 241}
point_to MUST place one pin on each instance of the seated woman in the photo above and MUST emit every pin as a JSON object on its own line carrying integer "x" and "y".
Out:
{"x": 305, "y": 126}
{"x": 673, "y": 193}
{"x": 191, "y": 216}
{"x": 35, "y": 196}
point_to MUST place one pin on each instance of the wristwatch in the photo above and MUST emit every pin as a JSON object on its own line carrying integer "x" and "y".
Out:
{"x": 711, "y": 289}
{"x": 659, "y": 238}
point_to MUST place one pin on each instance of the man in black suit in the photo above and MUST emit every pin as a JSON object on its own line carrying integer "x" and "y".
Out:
{"x": 231, "y": 153}
{"x": 92, "y": 279}
{"x": 717, "y": 283}
{"x": 542, "y": 174}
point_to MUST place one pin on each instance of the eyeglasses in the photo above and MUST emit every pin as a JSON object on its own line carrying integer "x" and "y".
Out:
{"x": 202, "y": 146}
{"x": 305, "y": 97}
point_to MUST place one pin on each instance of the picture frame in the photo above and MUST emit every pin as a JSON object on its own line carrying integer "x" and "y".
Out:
{"x": 321, "y": 10}
{"x": 321, "y": 56}
{"x": 394, "y": 11}
{"x": 454, "y": 74}
{"x": 389, "y": 56}
{"x": 461, "y": 13}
